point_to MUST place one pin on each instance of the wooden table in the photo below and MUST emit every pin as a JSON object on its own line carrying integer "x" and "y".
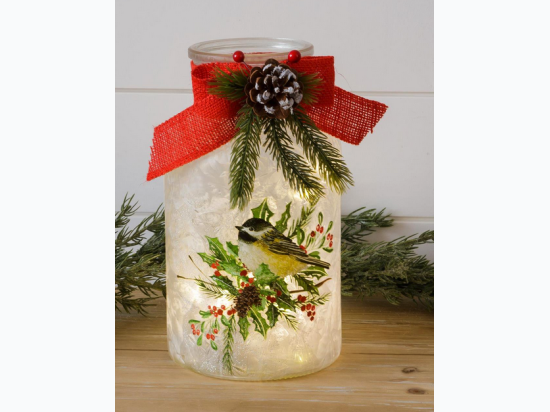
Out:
{"x": 386, "y": 365}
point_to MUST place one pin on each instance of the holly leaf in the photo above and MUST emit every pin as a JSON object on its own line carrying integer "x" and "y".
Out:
{"x": 330, "y": 226}
{"x": 328, "y": 249}
{"x": 262, "y": 211}
{"x": 199, "y": 340}
{"x": 202, "y": 326}
{"x": 194, "y": 321}
{"x": 286, "y": 302}
{"x": 314, "y": 271}
{"x": 264, "y": 276}
{"x": 320, "y": 218}
{"x": 282, "y": 223}
{"x": 204, "y": 314}
{"x": 306, "y": 284}
{"x": 225, "y": 283}
{"x": 267, "y": 292}
{"x": 217, "y": 249}
{"x": 225, "y": 321}
{"x": 213, "y": 344}
{"x": 272, "y": 315}
{"x": 260, "y": 324}
{"x": 233, "y": 249}
{"x": 208, "y": 259}
{"x": 300, "y": 235}
{"x": 231, "y": 267}
{"x": 315, "y": 254}
{"x": 243, "y": 327}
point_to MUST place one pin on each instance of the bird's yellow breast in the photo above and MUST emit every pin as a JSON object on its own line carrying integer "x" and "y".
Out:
{"x": 253, "y": 255}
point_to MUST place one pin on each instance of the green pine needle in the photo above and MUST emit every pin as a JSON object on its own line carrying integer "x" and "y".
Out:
{"x": 245, "y": 153}
{"x": 320, "y": 152}
{"x": 311, "y": 87}
{"x": 228, "y": 85}
{"x": 296, "y": 171}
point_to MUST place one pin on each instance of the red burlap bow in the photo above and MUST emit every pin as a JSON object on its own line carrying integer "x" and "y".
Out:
{"x": 210, "y": 122}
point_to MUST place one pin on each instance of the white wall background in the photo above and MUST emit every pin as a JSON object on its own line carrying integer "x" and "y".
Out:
{"x": 383, "y": 51}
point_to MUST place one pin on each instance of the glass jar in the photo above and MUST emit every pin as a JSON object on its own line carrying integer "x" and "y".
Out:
{"x": 293, "y": 323}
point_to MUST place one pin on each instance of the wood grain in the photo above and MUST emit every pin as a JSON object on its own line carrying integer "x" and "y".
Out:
{"x": 386, "y": 365}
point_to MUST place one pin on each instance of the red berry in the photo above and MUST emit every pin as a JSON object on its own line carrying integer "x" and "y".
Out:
{"x": 215, "y": 308}
{"x": 207, "y": 336}
{"x": 322, "y": 228}
{"x": 192, "y": 326}
{"x": 223, "y": 307}
{"x": 251, "y": 280}
{"x": 198, "y": 332}
{"x": 244, "y": 272}
{"x": 312, "y": 307}
{"x": 240, "y": 291}
{"x": 238, "y": 56}
{"x": 294, "y": 56}
{"x": 312, "y": 234}
{"x": 309, "y": 314}
{"x": 217, "y": 273}
{"x": 317, "y": 228}
{"x": 279, "y": 293}
{"x": 330, "y": 244}
{"x": 303, "y": 248}
{"x": 308, "y": 306}
{"x": 313, "y": 314}
{"x": 211, "y": 311}
{"x": 215, "y": 330}
{"x": 212, "y": 337}
{"x": 303, "y": 308}
{"x": 311, "y": 318}
{"x": 242, "y": 284}
{"x": 220, "y": 312}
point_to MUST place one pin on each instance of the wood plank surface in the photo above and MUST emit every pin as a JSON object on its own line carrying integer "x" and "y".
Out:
{"x": 386, "y": 365}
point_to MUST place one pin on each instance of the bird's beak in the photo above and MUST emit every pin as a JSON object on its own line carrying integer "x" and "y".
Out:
{"x": 239, "y": 227}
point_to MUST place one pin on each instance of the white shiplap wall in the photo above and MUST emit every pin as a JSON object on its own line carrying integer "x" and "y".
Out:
{"x": 383, "y": 51}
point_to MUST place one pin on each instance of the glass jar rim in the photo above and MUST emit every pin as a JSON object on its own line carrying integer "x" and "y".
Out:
{"x": 256, "y": 49}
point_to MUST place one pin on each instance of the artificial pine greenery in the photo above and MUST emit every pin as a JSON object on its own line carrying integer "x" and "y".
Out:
{"x": 392, "y": 269}
{"x": 139, "y": 258}
{"x": 301, "y": 176}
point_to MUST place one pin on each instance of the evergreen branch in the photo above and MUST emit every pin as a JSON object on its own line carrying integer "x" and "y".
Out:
{"x": 228, "y": 345}
{"x": 390, "y": 268}
{"x": 319, "y": 300}
{"x": 356, "y": 226}
{"x": 303, "y": 220}
{"x": 245, "y": 153}
{"x": 228, "y": 84}
{"x": 295, "y": 170}
{"x": 290, "y": 319}
{"x": 320, "y": 152}
{"x": 311, "y": 87}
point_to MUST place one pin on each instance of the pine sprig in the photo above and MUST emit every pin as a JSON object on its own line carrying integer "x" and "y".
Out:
{"x": 245, "y": 153}
{"x": 296, "y": 171}
{"x": 139, "y": 260}
{"x": 320, "y": 152}
{"x": 228, "y": 333}
{"x": 360, "y": 223}
{"x": 229, "y": 85}
{"x": 311, "y": 87}
{"x": 303, "y": 220}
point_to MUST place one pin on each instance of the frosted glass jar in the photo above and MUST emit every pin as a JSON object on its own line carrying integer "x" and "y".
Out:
{"x": 295, "y": 330}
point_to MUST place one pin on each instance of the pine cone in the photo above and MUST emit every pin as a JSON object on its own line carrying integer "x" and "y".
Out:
{"x": 273, "y": 91}
{"x": 249, "y": 297}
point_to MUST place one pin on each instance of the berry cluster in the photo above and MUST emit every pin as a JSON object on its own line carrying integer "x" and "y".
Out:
{"x": 330, "y": 236}
{"x": 216, "y": 311}
{"x": 303, "y": 248}
{"x": 211, "y": 336}
{"x": 195, "y": 331}
{"x": 320, "y": 228}
{"x": 309, "y": 307}
{"x": 273, "y": 299}
{"x": 249, "y": 280}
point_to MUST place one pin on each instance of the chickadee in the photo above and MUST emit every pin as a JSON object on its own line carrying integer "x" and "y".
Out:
{"x": 260, "y": 242}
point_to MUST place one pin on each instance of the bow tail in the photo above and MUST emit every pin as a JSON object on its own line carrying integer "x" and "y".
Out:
{"x": 349, "y": 118}
{"x": 198, "y": 130}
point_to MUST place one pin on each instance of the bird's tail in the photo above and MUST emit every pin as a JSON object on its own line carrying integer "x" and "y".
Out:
{"x": 314, "y": 262}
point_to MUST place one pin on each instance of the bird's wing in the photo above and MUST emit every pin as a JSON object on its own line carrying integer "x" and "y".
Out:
{"x": 282, "y": 245}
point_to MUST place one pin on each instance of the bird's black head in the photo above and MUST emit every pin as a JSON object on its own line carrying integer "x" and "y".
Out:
{"x": 253, "y": 229}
